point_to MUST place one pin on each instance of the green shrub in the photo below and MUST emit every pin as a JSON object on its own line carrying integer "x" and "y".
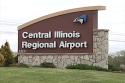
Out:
{"x": 14, "y": 65}
{"x": 16, "y": 59}
{"x": 1, "y": 65}
{"x": 85, "y": 67}
{"x": 47, "y": 65}
{"x": 114, "y": 67}
{"x": 36, "y": 66}
{"x": 23, "y": 65}
{"x": 19, "y": 65}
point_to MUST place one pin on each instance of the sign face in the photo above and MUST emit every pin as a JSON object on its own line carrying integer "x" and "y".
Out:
{"x": 66, "y": 33}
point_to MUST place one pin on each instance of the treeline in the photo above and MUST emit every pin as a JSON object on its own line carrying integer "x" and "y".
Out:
{"x": 6, "y": 55}
{"x": 116, "y": 61}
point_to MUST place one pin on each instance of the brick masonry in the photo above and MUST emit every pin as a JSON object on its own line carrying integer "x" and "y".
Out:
{"x": 99, "y": 57}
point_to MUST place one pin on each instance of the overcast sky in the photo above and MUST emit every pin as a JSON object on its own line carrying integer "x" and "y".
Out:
{"x": 16, "y": 12}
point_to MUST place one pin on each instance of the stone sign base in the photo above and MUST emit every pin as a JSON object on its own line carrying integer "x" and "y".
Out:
{"x": 99, "y": 57}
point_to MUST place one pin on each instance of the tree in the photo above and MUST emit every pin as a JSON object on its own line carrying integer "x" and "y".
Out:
{"x": 117, "y": 61}
{"x": 1, "y": 59}
{"x": 7, "y": 53}
{"x": 121, "y": 57}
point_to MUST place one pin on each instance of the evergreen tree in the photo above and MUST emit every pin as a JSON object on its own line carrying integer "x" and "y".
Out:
{"x": 1, "y": 59}
{"x": 7, "y": 53}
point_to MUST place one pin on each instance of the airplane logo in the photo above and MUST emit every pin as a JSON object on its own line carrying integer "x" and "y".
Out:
{"x": 81, "y": 19}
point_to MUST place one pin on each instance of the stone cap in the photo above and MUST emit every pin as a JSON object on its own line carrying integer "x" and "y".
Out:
{"x": 106, "y": 30}
{"x": 89, "y": 8}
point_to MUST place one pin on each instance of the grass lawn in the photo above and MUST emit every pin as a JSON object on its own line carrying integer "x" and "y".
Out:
{"x": 43, "y": 75}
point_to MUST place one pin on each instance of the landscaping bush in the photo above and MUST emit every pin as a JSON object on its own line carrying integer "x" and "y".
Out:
{"x": 114, "y": 67}
{"x": 19, "y": 65}
{"x": 85, "y": 67}
{"x": 23, "y": 65}
{"x": 16, "y": 59}
{"x": 47, "y": 65}
{"x": 36, "y": 66}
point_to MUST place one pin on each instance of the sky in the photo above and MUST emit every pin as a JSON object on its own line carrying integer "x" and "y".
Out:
{"x": 16, "y": 12}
